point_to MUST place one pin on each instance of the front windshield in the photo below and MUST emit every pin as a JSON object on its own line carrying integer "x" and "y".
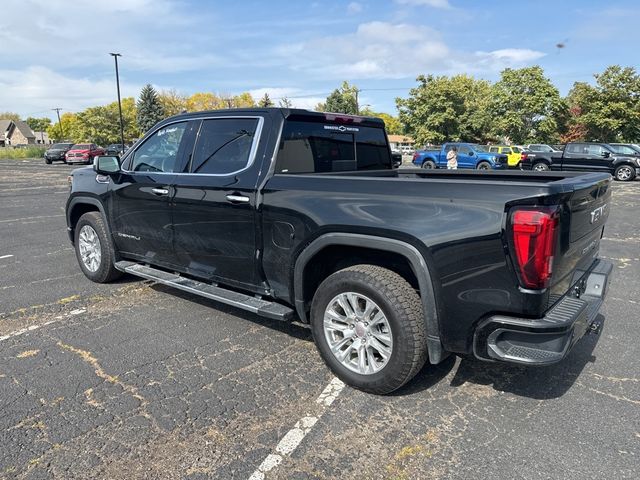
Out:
{"x": 480, "y": 148}
{"x": 81, "y": 146}
{"x": 60, "y": 145}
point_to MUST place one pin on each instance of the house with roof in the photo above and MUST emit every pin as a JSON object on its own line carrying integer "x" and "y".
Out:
{"x": 19, "y": 133}
{"x": 396, "y": 142}
{"x": 4, "y": 126}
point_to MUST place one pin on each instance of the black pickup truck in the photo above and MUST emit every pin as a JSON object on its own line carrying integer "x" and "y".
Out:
{"x": 584, "y": 157}
{"x": 299, "y": 215}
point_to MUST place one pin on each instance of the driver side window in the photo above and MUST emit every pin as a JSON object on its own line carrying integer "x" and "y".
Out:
{"x": 159, "y": 153}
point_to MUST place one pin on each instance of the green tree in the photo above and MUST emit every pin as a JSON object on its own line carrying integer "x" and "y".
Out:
{"x": 342, "y": 100}
{"x": 38, "y": 124}
{"x": 265, "y": 101}
{"x": 392, "y": 124}
{"x": 444, "y": 109}
{"x": 150, "y": 109}
{"x": 608, "y": 111}
{"x": 172, "y": 102}
{"x": 10, "y": 116}
{"x": 99, "y": 124}
{"x": 200, "y": 101}
{"x": 526, "y": 106}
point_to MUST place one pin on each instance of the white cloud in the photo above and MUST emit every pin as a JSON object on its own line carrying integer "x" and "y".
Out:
{"x": 426, "y": 3}
{"x": 513, "y": 55}
{"x": 387, "y": 50}
{"x": 354, "y": 7}
{"x": 38, "y": 89}
{"x": 296, "y": 96}
{"x": 374, "y": 50}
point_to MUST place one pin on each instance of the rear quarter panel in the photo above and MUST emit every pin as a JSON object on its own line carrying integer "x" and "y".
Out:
{"x": 456, "y": 225}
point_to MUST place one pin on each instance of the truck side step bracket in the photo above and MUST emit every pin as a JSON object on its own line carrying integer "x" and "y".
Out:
{"x": 250, "y": 303}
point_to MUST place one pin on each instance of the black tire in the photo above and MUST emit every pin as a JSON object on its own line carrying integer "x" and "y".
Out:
{"x": 106, "y": 271}
{"x": 47, "y": 161}
{"x": 540, "y": 167}
{"x": 624, "y": 173}
{"x": 429, "y": 164}
{"x": 402, "y": 308}
{"x": 483, "y": 166}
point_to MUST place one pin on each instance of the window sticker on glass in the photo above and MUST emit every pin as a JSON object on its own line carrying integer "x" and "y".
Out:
{"x": 341, "y": 128}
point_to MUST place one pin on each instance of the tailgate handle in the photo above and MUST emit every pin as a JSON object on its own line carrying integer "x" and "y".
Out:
{"x": 237, "y": 198}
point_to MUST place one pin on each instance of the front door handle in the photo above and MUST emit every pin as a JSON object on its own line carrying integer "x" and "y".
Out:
{"x": 160, "y": 191}
{"x": 237, "y": 198}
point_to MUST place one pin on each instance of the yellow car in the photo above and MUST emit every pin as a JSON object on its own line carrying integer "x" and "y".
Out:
{"x": 512, "y": 152}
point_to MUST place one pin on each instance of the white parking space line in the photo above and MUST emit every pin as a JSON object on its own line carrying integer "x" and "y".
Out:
{"x": 287, "y": 445}
{"x": 5, "y": 256}
{"x": 31, "y": 328}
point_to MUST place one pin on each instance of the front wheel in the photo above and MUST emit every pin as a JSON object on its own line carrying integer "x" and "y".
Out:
{"x": 368, "y": 326}
{"x": 47, "y": 161}
{"x": 625, "y": 173}
{"x": 484, "y": 166}
{"x": 429, "y": 164}
{"x": 94, "y": 249}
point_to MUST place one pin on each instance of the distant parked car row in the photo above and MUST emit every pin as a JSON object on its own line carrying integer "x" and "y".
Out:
{"x": 470, "y": 156}
{"x": 620, "y": 160}
{"x": 80, "y": 152}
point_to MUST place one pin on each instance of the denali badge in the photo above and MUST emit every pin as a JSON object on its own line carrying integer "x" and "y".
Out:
{"x": 126, "y": 235}
{"x": 597, "y": 213}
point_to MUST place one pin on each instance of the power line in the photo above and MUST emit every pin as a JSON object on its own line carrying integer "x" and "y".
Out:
{"x": 57, "y": 110}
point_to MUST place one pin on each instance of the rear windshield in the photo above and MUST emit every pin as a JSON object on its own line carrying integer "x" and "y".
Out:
{"x": 309, "y": 147}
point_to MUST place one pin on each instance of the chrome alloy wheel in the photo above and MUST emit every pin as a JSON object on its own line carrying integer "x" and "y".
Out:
{"x": 540, "y": 167}
{"x": 624, "y": 173}
{"x": 358, "y": 333}
{"x": 89, "y": 246}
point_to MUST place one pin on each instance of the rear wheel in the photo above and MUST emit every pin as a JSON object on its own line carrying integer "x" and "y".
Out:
{"x": 540, "y": 167}
{"x": 483, "y": 166}
{"x": 94, "y": 249}
{"x": 368, "y": 326}
{"x": 625, "y": 173}
{"x": 429, "y": 164}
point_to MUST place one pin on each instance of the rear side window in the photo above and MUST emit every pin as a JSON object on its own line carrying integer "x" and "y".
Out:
{"x": 307, "y": 147}
{"x": 224, "y": 145}
{"x": 494, "y": 150}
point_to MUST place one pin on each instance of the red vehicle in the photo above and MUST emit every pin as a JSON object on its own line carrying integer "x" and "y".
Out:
{"x": 83, "y": 153}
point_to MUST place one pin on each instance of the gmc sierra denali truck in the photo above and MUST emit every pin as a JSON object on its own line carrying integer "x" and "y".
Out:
{"x": 299, "y": 215}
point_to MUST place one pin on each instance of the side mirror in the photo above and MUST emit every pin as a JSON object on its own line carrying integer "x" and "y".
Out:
{"x": 471, "y": 153}
{"x": 606, "y": 154}
{"x": 106, "y": 165}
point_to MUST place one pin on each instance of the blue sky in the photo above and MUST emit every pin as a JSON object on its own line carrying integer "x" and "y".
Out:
{"x": 55, "y": 52}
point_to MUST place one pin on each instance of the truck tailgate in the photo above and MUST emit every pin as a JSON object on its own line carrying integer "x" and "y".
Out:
{"x": 583, "y": 217}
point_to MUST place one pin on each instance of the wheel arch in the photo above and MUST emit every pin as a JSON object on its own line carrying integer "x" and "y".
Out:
{"x": 80, "y": 205}
{"x": 414, "y": 259}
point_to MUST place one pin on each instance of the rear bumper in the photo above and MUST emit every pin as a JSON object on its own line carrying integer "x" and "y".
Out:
{"x": 546, "y": 340}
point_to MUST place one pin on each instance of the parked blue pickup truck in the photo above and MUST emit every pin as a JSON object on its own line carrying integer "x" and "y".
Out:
{"x": 470, "y": 155}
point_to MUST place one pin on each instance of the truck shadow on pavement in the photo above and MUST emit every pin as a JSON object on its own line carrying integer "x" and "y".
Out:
{"x": 540, "y": 383}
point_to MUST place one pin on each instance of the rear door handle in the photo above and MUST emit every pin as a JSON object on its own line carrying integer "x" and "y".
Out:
{"x": 237, "y": 198}
{"x": 160, "y": 191}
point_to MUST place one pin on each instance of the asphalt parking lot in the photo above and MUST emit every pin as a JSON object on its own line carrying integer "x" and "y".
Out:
{"x": 134, "y": 380}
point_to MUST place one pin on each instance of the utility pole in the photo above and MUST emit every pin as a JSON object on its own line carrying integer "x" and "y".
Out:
{"x": 115, "y": 57}
{"x": 57, "y": 110}
{"x": 357, "y": 105}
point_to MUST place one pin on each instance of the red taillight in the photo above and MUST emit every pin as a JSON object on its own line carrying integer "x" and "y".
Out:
{"x": 534, "y": 241}
{"x": 523, "y": 157}
{"x": 415, "y": 156}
